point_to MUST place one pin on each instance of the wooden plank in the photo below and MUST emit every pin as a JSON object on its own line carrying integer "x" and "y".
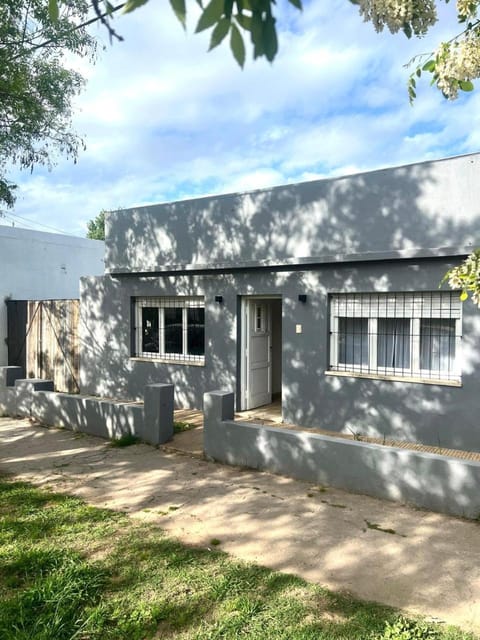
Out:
{"x": 52, "y": 345}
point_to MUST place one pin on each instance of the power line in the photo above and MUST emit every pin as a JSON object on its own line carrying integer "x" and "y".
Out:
{"x": 38, "y": 224}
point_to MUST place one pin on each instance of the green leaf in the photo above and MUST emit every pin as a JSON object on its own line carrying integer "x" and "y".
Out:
{"x": 296, "y": 3}
{"x": 219, "y": 33}
{"x": 407, "y": 29}
{"x": 237, "y": 46}
{"x": 466, "y": 85}
{"x": 429, "y": 66}
{"x": 244, "y": 21}
{"x": 418, "y": 72}
{"x": 131, "y": 5}
{"x": 270, "y": 41}
{"x": 228, "y": 8}
{"x": 211, "y": 15}
{"x": 53, "y": 10}
{"x": 180, "y": 11}
{"x": 256, "y": 35}
{"x": 463, "y": 296}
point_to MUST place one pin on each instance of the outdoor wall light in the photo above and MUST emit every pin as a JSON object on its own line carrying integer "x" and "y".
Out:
{"x": 302, "y": 297}
{"x": 219, "y": 299}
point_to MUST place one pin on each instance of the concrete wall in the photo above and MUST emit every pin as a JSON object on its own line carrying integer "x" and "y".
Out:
{"x": 426, "y": 205}
{"x": 433, "y": 482}
{"x": 432, "y": 414}
{"x": 37, "y": 265}
{"x": 152, "y": 421}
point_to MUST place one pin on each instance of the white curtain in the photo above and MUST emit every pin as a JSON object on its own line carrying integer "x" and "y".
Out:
{"x": 437, "y": 344}
{"x": 393, "y": 343}
{"x": 353, "y": 341}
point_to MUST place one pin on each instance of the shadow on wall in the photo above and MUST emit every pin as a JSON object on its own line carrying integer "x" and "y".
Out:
{"x": 413, "y": 208}
{"x": 151, "y": 421}
{"x": 420, "y": 206}
{"x": 426, "y": 480}
{"x": 433, "y": 414}
{"x": 106, "y": 330}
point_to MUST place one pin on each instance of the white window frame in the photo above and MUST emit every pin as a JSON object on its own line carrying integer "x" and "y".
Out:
{"x": 414, "y": 306}
{"x": 162, "y": 303}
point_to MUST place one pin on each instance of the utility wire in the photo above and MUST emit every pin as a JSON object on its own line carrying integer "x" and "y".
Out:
{"x": 14, "y": 216}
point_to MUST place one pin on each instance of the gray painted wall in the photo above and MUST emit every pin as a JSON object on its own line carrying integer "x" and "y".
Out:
{"x": 433, "y": 482}
{"x": 36, "y": 265}
{"x": 426, "y": 205}
{"x": 151, "y": 421}
{"x": 286, "y": 241}
{"x": 433, "y": 414}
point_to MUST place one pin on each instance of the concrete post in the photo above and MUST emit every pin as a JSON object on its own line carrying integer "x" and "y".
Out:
{"x": 25, "y": 390}
{"x": 217, "y": 407}
{"x": 158, "y": 413}
{"x": 8, "y": 375}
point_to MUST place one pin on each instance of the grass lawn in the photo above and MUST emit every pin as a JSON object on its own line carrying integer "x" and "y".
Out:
{"x": 69, "y": 571}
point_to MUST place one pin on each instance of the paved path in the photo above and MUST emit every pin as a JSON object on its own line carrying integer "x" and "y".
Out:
{"x": 429, "y": 566}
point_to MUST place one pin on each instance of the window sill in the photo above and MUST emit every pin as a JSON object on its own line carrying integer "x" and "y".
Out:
{"x": 376, "y": 376}
{"x": 190, "y": 363}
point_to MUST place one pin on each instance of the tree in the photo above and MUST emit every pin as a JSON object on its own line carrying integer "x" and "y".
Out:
{"x": 96, "y": 227}
{"x": 466, "y": 277}
{"x": 36, "y": 85}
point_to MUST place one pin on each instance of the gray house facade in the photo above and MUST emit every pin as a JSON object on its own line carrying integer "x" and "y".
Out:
{"x": 324, "y": 294}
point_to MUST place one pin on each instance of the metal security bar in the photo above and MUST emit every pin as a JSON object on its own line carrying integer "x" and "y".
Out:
{"x": 170, "y": 328}
{"x": 404, "y": 335}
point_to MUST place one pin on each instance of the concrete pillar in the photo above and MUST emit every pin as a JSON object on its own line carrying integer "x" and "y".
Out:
{"x": 158, "y": 413}
{"x": 25, "y": 389}
{"x": 8, "y": 375}
{"x": 217, "y": 407}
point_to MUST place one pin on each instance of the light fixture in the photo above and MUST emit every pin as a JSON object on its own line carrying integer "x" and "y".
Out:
{"x": 219, "y": 299}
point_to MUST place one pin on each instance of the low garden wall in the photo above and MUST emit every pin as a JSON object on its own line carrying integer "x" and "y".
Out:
{"x": 152, "y": 422}
{"x": 434, "y": 482}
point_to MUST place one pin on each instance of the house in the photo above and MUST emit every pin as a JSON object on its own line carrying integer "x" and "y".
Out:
{"x": 36, "y": 266}
{"x": 324, "y": 294}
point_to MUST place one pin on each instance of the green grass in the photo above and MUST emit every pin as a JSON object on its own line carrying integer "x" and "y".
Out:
{"x": 179, "y": 427}
{"x": 69, "y": 571}
{"x": 125, "y": 441}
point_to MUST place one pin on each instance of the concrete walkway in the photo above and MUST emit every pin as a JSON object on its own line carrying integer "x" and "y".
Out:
{"x": 430, "y": 565}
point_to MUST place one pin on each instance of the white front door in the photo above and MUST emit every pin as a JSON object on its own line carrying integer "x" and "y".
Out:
{"x": 258, "y": 354}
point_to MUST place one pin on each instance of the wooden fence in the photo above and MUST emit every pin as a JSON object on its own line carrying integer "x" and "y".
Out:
{"x": 52, "y": 345}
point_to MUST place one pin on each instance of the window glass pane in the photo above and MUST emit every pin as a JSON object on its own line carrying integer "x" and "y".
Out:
{"x": 353, "y": 341}
{"x": 173, "y": 330}
{"x": 437, "y": 344}
{"x": 196, "y": 332}
{"x": 150, "y": 329}
{"x": 393, "y": 342}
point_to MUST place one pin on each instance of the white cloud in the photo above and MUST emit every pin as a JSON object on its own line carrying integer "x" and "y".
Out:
{"x": 164, "y": 119}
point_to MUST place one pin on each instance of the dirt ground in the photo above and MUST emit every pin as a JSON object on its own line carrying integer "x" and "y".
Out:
{"x": 419, "y": 561}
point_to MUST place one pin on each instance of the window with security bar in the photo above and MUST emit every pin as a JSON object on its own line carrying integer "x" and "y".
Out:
{"x": 170, "y": 328}
{"x": 398, "y": 335}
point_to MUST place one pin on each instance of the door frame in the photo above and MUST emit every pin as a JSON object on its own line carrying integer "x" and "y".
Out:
{"x": 245, "y": 301}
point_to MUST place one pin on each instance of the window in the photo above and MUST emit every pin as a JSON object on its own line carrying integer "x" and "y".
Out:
{"x": 170, "y": 328}
{"x": 399, "y": 335}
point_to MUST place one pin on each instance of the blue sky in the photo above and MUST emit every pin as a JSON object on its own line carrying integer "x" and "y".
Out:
{"x": 163, "y": 119}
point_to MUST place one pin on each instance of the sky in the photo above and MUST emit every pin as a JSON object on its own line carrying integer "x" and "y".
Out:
{"x": 163, "y": 119}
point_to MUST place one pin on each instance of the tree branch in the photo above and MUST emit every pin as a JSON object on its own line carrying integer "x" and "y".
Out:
{"x": 99, "y": 17}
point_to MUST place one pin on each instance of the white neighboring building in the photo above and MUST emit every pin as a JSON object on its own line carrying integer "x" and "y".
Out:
{"x": 35, "y": 266}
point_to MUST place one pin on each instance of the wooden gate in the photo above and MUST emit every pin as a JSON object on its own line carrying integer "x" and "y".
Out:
{"x": 51, "y": 342}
